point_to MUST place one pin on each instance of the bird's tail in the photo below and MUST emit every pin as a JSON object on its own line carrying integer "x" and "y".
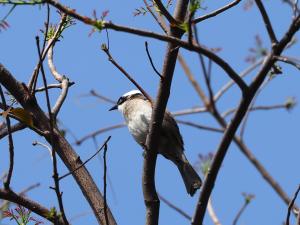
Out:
{"x": 190, "y": 177}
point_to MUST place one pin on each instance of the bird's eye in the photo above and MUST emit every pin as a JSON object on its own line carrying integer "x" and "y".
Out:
{"x": 121, "y": 100}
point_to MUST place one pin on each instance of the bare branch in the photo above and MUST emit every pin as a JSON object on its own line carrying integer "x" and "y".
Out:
{"x": 97, "y": 132}
{"x": 291, "y": 204}
{"x": 172, "y": 206}
{"x": 212, "y": 213}
{"x": 258, "y": 108}
{"x": 110, "y": 58}
{"x": 198, "y": 126}
{"x": 237, "y": 119}
{"x": 150, "y": 59}
{"x": 248, "y": 198}
{"x": 171, "y": 39}
{"x": 60, "y": 100}
{"x": 267, "y": 21}
{"x": 164, "y": 11}
{"x": 86, "y": 161}
{"x": 159, "y": 19}
{"x": 192, "y": 79}
{"x": 149, "y": 190}
{"x": 216, "y": 12}
{"x": 50, "y": 86}
{"x": 94, "y": 93}
{"x": 10, "y": 143}
{"x": 222, "y": 91}
{"x": 35, "y": 207}
{"x": 62, "y": 146}
{"x": 288, "y": 60}
{"x": 190, "y": 111}
{"x": 104, "y": 182}
{"x": 44, "y": 146}
{"x": 53, "y": 152}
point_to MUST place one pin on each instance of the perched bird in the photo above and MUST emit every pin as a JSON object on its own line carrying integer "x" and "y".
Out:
{"x": 137, "y": 111}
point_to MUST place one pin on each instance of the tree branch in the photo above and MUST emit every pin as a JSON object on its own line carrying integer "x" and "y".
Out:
{"x": 63, "y": 148}
{"x": 53, "y": 152}
{"x": 291, "y": 204}
{"x": 149, "y": 190}
{"x": 267, "y": 21}
{"x": 171, "y": 39}
{"x": 35, "y": 207}
{"x": 238, "y": 117}
{"x": 172, "y": 206}
{"x": 216, "y": 12}
{"x": 165, "y": 12}
{"x": 111, "y": 59}
{"x": 10, "y": 143}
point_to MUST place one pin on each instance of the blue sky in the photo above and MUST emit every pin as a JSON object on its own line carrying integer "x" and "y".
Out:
{"x": 271, "y": 135}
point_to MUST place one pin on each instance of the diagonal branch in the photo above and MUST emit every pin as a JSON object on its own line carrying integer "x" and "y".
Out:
{"x": 237, "y": 119}
{"x": 165, "y": 12}
{"x": 216, "y": 12}
{"x": 267, "y": 21}
{"x": 35, "y": 207}
{"x": 111, "y": 59}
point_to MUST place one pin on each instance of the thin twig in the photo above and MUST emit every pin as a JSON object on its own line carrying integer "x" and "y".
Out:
{"x": 86, "y": 161}
{"x": 190, "y": 111}
{"x": 50, "y": 86}
{"x": 110, "y": 58}
{"x": 51, "y": 121}
{"x": 257, "y": 108}
{"x": 242, "y": 209}
{"x": 33, "y": 81}
{"x": 29, "y": 188}
{"x": 44, "y": 146}
{"x": 176, "y": 208}
{"x": 212, "y": 213}
{"x": 288, "y": 61}
{"x": 198, "y": 126}
{"x": 287, "y": 221}
{"x": 10, "y": 143}
{"x": 216, "y": 12}
{"x": 247, "y": 71}
{"x": 203, "y": 66}
{"x": 192, "y": 79}
{"x": 150, "y": 59}
{"x": 104, "y": 183}
{"x": 100, "y": 131}
{"x": 95, "y": 94}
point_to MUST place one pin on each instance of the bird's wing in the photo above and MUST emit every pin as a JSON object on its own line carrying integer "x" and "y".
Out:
{"x": 171, "y": 129}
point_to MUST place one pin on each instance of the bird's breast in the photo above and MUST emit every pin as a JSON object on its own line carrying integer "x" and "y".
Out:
{"x": 138, "y": 123}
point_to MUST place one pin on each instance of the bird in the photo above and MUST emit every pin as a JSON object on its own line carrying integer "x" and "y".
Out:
{"x": 137, "y": 111}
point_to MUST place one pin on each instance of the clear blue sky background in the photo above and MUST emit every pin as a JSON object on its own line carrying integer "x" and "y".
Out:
{"x": 272, "y": 136}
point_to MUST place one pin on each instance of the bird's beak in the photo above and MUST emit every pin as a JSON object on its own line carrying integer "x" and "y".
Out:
{"x": 113, "y": 108}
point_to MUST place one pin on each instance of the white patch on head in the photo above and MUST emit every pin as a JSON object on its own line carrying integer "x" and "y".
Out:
{"x": 132, "y": 92}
